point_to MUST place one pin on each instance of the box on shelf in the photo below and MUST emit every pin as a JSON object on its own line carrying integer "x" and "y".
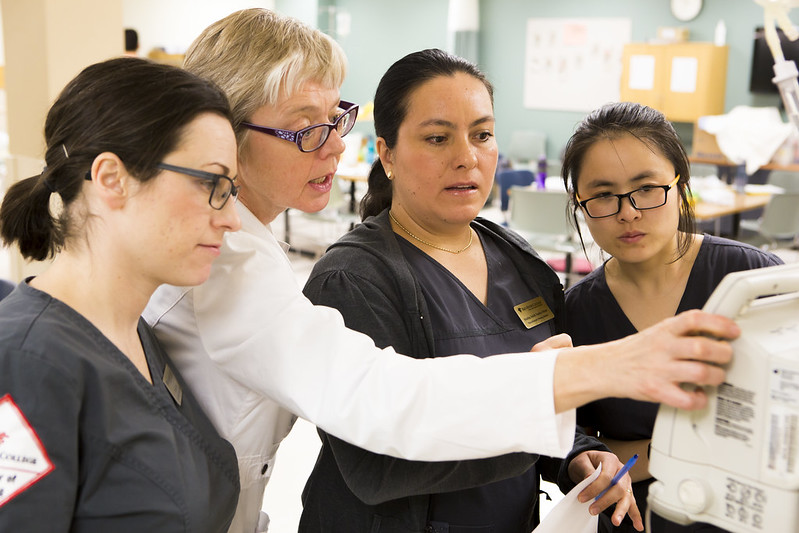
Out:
{"x": 704, "y": 146}
{"x": 672, "y": 34}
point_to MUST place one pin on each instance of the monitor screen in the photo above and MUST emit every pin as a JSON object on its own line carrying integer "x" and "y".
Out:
{"x": 763, "y": 62}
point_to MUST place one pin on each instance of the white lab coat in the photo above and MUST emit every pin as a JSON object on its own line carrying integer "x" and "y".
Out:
{"x": 256, "y": 353}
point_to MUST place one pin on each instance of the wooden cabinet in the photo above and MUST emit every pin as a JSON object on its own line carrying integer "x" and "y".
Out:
{"x": 683, "y": 80}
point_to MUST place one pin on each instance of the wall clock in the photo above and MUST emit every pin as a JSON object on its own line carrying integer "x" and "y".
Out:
{"x": 685, "y": 10}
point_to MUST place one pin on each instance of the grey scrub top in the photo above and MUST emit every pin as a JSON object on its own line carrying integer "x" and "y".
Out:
{"x": 87, "y": 444}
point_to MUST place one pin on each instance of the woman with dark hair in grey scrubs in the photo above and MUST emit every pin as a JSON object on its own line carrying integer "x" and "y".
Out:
{"x": 97, "y": 431}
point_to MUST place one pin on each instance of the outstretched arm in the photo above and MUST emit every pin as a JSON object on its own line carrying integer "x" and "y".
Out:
{"x": 258, "y": 330}
{"x": 649, "y": 365}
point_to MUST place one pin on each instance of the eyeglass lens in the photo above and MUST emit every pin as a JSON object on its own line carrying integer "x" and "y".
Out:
{"x": 221, "y": 192}
{"x": 221, "y": 187}
{"x": 645, "y": 198}
{"x": 315, "y": 136}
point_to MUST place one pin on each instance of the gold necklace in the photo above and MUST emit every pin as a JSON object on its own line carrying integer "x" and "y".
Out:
{"x": 431, "y": 245}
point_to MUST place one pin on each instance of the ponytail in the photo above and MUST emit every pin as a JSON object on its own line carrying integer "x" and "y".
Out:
{"x": 25, "y": 219}
{"x": 379, "y": 193}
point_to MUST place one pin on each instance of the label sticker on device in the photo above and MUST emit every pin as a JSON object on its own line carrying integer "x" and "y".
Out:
{"x": 23, "y": 459}
{"x": 534, "y": 312}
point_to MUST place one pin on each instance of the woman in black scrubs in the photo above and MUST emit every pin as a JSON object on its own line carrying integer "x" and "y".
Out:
{"x": 423, "y": 275}
{"x": 98, "y": 432}
{"x": 628, "y": 173}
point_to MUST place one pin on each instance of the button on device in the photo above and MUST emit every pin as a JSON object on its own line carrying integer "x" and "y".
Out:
{"x": 694, "y": 495}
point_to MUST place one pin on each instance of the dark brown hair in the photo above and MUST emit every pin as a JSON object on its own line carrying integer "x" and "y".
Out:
{"x": 649, "y": 126}
{"x": 131, "y": 107}
{"x": 391, "y": 107}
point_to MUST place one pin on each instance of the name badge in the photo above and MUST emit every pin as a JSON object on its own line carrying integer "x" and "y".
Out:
{"x": 172, "y": 385}
{"x": 534, "y": 312}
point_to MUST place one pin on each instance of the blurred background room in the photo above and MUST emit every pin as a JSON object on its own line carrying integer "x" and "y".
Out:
{"x": 703, "y": 63}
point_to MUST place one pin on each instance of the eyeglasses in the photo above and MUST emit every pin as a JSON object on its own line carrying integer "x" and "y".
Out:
{"x": 222, "y": 187}
{"x": 647, "y": 197}
{"x": 313, "y": 137}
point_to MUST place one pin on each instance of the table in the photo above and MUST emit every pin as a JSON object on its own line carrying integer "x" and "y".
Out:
{"x": 729, "y": 164}
{"x": 358, "y": 172}
{"x": 354, "y": 174}
{"x": 741, "y": 202}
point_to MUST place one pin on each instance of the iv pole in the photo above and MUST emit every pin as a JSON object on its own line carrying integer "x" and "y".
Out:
{"x": 775, "y": 12}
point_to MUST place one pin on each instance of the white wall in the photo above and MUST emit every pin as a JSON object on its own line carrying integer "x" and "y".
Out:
{"x": 174, "y": 24}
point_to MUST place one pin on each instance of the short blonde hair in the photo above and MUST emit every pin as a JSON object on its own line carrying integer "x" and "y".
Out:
{"x": 253, "y": 54}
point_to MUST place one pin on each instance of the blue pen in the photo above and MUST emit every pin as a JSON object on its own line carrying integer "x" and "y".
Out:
{"x": 627, "y": 466}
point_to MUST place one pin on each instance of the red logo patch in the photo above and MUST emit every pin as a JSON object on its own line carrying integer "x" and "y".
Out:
{"x": 23, "y": 459}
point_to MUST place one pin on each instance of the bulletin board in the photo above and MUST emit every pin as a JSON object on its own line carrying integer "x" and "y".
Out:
{"x": 573, "y": 64}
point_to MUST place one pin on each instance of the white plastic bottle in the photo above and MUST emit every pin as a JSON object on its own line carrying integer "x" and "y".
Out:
{"x": 720, "y": 35}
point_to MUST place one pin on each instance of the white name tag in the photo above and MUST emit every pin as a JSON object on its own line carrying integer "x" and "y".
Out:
{"x": 23, "y": 459}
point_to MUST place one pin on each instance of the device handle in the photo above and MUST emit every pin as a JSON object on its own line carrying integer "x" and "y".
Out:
{"x": 737, "y": 290}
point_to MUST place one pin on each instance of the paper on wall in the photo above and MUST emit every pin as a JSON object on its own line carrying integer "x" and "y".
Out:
{"x": 642, "y": 72}
{"x": 684, "y": 71}
{"x": 571, "y": 515}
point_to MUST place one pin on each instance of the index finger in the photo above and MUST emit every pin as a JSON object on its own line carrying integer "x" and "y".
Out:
{"x": 695, "y": 322}
{"x": 561, "y": 340}
{"x": 702, "y": 349}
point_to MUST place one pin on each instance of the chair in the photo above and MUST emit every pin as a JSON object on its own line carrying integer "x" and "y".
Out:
{"x": 785, "y": 179}
{"x": 526, "y": 146}
{"x": 541, "y": 217}
{"x": 507, "y": 179}
{"x": 780, "y": 220}
{"x": 701, "y": 170}
{"x": 337, "y": 217}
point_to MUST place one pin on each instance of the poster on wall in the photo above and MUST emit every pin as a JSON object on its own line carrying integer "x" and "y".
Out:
{"x": 573, "y": 64}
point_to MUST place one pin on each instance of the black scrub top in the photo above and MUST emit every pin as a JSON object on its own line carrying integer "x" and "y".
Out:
{"x": 87, "y": 444}
{"x": 594, "y": 316}
{"x": 462, "y": 324}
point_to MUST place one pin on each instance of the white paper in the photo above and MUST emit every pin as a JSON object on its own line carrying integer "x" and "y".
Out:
{"x": 574, "y": 64}
{"x": 683, "y": 74}
{"x": 571, "y": 515}
{"x": 642, "y": 72}
{"x": 750, "y": 135}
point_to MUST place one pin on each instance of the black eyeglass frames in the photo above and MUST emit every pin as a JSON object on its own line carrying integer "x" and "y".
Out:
{"x": 314, "y": 136}
{"x": 647, "y": 197}
{"x": 223, "y": 187}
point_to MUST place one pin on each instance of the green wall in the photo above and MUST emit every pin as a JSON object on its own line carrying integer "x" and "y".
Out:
{"x": 384, "y": 31}
{"x": 304, "y": 10}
